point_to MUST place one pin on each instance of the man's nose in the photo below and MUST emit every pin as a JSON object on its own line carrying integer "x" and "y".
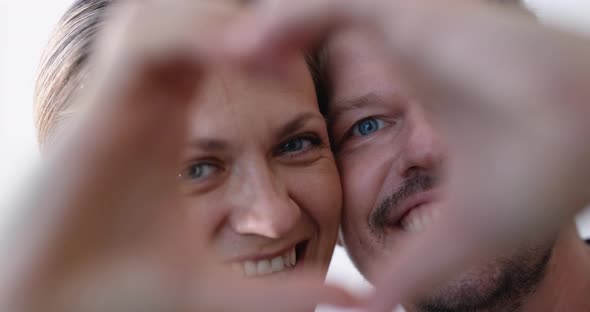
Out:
{"x": 423, "y": 149}
{"x": 263, "y": 206}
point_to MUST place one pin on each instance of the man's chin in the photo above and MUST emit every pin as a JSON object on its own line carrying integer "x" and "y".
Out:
{"x": 470, "y": 289}
{"x": 498, "y": 286}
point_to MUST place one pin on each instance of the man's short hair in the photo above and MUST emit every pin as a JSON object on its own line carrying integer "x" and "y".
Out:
{"x": 317, "y": 60}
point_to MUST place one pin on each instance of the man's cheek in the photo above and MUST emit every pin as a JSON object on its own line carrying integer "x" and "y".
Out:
{"x": 362, "y": 178}
{"x": 367, "y": 169}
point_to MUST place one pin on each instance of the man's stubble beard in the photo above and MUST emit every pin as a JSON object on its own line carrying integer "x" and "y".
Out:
{"x": 501, "y": 285}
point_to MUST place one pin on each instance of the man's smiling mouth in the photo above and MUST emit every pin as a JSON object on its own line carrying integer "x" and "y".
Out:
{"x": 407, "y": 208}
{"x": 415, "y": 213}
{"x": 418, "y": 218}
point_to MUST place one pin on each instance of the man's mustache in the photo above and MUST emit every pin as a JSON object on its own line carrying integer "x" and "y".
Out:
{"x": 417, "y": 183}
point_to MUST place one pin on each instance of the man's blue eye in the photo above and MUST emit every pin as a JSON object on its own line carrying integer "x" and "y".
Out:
{"x": 367, "y": 126}
{"x": 198, "y": 171}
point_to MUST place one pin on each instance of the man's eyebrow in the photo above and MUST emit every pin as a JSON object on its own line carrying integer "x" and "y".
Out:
{"x": 210, "y": 145}
{"x": 355, "y": 103}
{"x": 296, "y": 124}
{"x": 368, "y": 99}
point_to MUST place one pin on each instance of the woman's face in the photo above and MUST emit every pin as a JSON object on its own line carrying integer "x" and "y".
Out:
{"x": 258, "y": 174}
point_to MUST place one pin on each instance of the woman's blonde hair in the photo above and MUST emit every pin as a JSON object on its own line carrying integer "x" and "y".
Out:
{"x": 63, "y": 65}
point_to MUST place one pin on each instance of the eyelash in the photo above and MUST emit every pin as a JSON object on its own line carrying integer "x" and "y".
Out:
{"x": 313, "y": 139}
{"x": 314, "y": 142}
{"x": 350, "y": 132}
{"x": 380, "y": 124}
{"x": 185, "y": 174}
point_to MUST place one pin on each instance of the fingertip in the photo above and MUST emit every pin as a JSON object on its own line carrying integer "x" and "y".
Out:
{"x": 243, "y": 39}
{"x": 380, "y": 302}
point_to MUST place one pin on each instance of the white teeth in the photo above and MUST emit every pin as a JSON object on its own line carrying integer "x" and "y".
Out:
{"x": 418, "y": 226}
{"x": 250, "y": 268}
{"x": 417, "y": 220}
{"x": 407, "y": 226}
{"x": 277, "y": 264}
{"x": 267, "y": 266}
{"x": 289, "y": 258}
{"x": 264, "y": 267}
{"x": 426, "y": 219}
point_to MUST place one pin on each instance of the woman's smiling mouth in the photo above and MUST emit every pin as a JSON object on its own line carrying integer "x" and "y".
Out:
{"x": 274, "y": 263}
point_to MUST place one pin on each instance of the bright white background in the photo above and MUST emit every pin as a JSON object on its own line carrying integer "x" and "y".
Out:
{"x": 24, "y": 28}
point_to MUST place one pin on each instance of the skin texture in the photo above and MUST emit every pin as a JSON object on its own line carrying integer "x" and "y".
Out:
{"x": 126, "y": 222}
{"x": 508, "y": 116}
{"x": 400, "y": 159}
{"x": 152, "y": 61}
{"x": 267, "y": 179}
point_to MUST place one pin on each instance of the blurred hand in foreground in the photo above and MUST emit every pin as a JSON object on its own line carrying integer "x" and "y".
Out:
{"x": 99, "y": 232}
{"x": 504, "y": 90}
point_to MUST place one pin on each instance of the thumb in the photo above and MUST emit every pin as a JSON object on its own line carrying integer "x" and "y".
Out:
{"x": 223, "y": 292}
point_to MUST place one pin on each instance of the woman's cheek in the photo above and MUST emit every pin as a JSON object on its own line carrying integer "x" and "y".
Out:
{"x": 317, "y": 191}
{"x": 204, "y": 212}
{"x": 320, "y": 190}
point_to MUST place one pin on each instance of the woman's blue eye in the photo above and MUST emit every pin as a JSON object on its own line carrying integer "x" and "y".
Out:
{"x": 367, "y": 126}
{"x": 297, "y": 145}
{"x": 199, "y": 171}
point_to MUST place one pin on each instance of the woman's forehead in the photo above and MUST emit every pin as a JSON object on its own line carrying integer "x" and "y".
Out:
{"x": 236, "y": 101}
{"x": 293, "y": 77}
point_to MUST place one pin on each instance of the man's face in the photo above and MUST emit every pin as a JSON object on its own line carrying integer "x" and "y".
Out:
{"x": 391, "y": 158}
{"x": 389, "y": 155}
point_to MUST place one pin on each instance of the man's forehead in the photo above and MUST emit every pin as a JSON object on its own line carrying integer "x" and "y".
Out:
{"x": 351, "y": 48}
{"x": 358, "y": 66}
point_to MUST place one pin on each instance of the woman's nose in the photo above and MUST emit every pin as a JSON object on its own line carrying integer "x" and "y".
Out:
{"x": 263, "y": 205}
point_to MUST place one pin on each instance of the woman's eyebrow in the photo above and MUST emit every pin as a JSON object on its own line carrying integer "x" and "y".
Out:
{"x": 297, "y": 123}
{"x": 209, "y": 145}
